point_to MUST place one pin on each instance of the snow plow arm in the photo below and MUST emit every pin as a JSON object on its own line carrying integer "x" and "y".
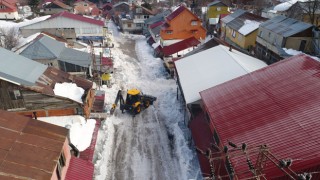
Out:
{"x": 114, "y": 105}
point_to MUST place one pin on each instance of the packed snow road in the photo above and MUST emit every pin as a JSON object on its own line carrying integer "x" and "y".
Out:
{"x": 152, "y": 144}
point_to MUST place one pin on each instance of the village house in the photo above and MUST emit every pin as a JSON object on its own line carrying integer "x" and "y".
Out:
{"x": 53, "y": 7}
{"x": 214, "y": 10}
{"x": 241, "y": 31}
{"x": 179, "y": 25}
{"x": 119, "y": 9}
{"x": 85, "y": 7}
{"x": 209, "y": 68}
{"x": 133, "y": 22}
{"x": 8, "y": 10}
{"x": 106, "y": 8}
{"x": 269, "y": 114}
{"x": 51, "y": 52}
{"x": 154, "y": 20}
{"x": 32, "y": 149}
{"x": 28, "y": 88}
{"x": 281, "y": 32}
{"x": 68, "y": 26}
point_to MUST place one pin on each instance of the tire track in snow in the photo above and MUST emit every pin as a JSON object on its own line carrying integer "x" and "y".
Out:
{"x": 140, "y": 148}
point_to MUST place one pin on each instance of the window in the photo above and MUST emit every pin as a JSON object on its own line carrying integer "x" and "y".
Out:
{"x": 269, "y": 35}
{"x": 139, "y": 25}
{"x": 129, "y": 25}
{"x": 218, "y": 8}
{"x": 61, "y": 163}
{"x": 233, "y": 33}
{"x": 260, "y": 33}
{"x": 85, "y": 4}
{"x": 146, "y": 16}
{"x": 15, "y": 94}
{"x": 302, "y": 45}
{"x": 169, "y": 32}
{"x": 194, "y": 23}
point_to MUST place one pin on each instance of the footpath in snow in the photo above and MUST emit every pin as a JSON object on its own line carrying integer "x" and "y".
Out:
{"x": 153, "y": 144}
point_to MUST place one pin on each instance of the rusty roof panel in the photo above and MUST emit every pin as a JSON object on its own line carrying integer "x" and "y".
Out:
{"x": 28, "y": 148}
{"x": 37, "y": 157}
{"x": 50, "y": 131}
{"x": 13, "y": 169}
{"x": 43, "y": 142}
{"x": 12, "y": 122}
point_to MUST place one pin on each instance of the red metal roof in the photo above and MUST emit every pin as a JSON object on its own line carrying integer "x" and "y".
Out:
{"x": 99, "y": 100}
{"x": 176, "y": 12}
{"x": 29, "y": 148}
{"x": 88, "y": 153}
{"x": 156, "y": 24}
{"x": 77, "y": 17}
{"x": 202, "y": 138}
{"x": 11, "y": 7}
{"x": 179, "y": 46}
{"x": 277, "y": 106}
{"x": 79, "y": 169}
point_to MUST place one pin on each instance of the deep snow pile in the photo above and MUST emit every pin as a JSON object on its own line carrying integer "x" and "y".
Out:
{"x": 151, "y": 145}
{"x": 80, "y": 130}
{"x": 69, "y": 90}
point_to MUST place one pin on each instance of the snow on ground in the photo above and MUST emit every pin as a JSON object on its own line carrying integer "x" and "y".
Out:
{"x": 69, "y": 90}
{"x": 80, "y": 130}
{"x": 153, "y": 144}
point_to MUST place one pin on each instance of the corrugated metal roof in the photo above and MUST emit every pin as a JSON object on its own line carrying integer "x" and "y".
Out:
{"x": 48, "y": 48}
{"x": 30, "y": 149}
{"x": 157, "y": 17}
{"x": 212, "y": 67}
{"x": 77, "y": 18}
{"x": 79, "y": 169}
{"x": 179, "y": 46}
{"x": 211, "y": 43}
{"x": 232, "y": 16}
{"x": 277, "y": 106}
{"x": 88, "y": 153}
{"x": 285, "y": 26}
{"x": 176, "y": 12}
{"x": 239, "y": 22}
{"x": 202, "y": 137}
{"x": 18, "y": 69}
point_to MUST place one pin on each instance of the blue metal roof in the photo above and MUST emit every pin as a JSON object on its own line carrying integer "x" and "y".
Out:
{"x": 232, "y": 16}
{"x": 285, "y": 26}
{"x": 48, "y": 48}
{"x": 19, "y": 69}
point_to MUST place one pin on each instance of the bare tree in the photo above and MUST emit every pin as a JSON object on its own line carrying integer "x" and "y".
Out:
{"x": 9, "y": 38}
{"x": 306, "y": 11}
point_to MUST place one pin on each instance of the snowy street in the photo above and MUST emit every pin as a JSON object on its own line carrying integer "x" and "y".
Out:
{"x": 153, "y": 144}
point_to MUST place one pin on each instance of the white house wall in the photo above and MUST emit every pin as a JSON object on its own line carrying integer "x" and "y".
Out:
{"x": 11, "y": 15}
{"x": 81, "y": 28}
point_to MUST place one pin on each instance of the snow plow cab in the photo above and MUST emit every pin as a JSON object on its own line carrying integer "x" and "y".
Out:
{"x": 134, "y": 103}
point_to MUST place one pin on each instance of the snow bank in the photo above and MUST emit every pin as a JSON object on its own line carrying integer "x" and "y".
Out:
{"x": 248, "y": 27}
{"x": 80, "y": 130}
{"x": 69, "y": 90}
{"x": 292, "y": 51}
{"x": 81, "y": 134}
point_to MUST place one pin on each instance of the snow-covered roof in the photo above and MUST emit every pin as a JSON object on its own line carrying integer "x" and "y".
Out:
{"x": 212, "y": 67}
{"x": 286, "y": 5}
{"x": 80, "y": 130}
{"x": 248, "y": 27}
